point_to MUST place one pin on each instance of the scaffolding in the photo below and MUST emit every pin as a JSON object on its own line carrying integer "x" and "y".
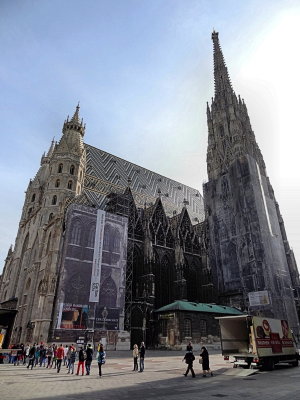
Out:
{"x": 123, "y": 204}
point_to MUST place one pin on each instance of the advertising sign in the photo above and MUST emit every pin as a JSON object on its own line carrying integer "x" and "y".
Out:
{"x": 260, "y": 298}
{"x": 92, "y": 287}
{"x": 97, "y": 259}
{"x": 273, "y": 336}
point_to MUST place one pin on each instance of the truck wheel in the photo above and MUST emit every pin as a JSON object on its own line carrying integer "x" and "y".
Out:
{"x": 295, "y": 363}
{"x": 268, "y": 364}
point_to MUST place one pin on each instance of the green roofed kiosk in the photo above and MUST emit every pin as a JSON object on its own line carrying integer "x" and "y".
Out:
{"x": 183, "y": 321}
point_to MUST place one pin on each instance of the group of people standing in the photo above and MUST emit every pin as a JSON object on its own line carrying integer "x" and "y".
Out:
{"x": 203, "y": 360}
{"x": 54, "y": 356}
{"x": 139, "y": 353}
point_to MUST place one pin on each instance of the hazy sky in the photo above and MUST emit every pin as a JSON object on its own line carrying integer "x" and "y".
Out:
{"x": 143, "y": 71}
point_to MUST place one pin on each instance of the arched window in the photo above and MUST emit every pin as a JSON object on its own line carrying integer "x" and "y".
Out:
{"x": 106, "y": 237}
{"x": 164, "y": 282}
{"x": 72, "y": 170}
{"x": 76, "y": 233}
{"x": 50, "y": 217}
{"x": 54, "y": 200}
{"x": 70, "y": 184}
{"x": 116, "y": 241}
{"x": 108, "y": 293}
{"x": 33, "y": 198}
{"x": 91, "y": 236}
{"x": 60, "y": 168}
{"x": 57, "y": 183}
{"x": 187, "y": 327}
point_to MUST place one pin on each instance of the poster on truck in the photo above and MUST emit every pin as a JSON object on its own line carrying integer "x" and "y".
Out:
{"x": 272, "y": 336}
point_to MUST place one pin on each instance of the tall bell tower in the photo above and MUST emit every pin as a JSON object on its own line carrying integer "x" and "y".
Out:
{"x": 249, "y": 252}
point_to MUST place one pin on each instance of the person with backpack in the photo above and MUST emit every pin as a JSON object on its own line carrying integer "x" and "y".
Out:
{"x": 81, "y": 359}
{"x": 189, "y": 359}
{"x": 72, "y": 360}
{"x": 101, "y": 358}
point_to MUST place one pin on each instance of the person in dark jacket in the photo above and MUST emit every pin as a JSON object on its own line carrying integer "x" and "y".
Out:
{"x": 189, "y": 347}
{"x": 142, "y": 357}
{"x": 205, "y": 362}
{"x": 31, "y": 356}
{"x": 89, "y": 359}
{"x": 81, "y": 358}
{"x": 189, "y": 359}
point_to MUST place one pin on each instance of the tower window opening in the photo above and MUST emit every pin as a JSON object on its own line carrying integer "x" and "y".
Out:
{"x": 60, "y": 168}
{"x": 54, "y": 200}
{"x": 57, "y": 183}
{"x": 72, "y": 170}
{"x": 33, "y": 198}
{"x": 70, "y": 184}
{"x": 50, "y": 217}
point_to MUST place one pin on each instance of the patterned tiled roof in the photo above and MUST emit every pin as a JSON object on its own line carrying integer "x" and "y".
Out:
{"x": 106, "y": 173}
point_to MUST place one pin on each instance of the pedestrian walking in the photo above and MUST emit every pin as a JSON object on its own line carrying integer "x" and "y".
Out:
{"x": 135, "y": 353}
{"x": 31, "y": 356}
{"x": 66, "y": 348}
{"x": 189, "y": 359}
{"x": 70, "y": 348}
{"x": 204, "y": 360}
{"x": 81, "y": 358}
{"x": 26, "y": 353}
{"x": 49, "y": 355}
{"x": 189, "y": 347}
{"x": 60, "y": 356}
{"x": 54, "y": 358}
{"x": 89, "y": 358}
{"x": 142, "y": 356}
{"x": 43, "y": 357}
{"x": 101, "y": 358}
{"x": 72, "y": 360}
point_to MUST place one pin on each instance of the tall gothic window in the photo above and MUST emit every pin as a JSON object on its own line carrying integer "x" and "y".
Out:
{"x": 60, "y": 168}
{"x": 108, "y": 293}
{"x": 187, "y": 327}
{"x": 72, "y": 170}
{"x": 57, "y": 183}
{"x": 33, "y": 198}
{"x": 54, "y": 200}
{"x": 76, "y": 233}
{"x": 164, "y": 282}
{"x": 91, "y": 236}
{"x": 70, "y": 184}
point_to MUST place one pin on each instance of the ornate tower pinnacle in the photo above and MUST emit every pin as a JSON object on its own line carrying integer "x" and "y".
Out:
{"x": 222, "y": 80}
{"x": 230, "y": 135}
{"x": 74, "y": 124}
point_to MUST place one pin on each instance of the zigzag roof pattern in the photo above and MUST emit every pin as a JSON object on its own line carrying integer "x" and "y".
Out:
{"x": 106, "y": 173}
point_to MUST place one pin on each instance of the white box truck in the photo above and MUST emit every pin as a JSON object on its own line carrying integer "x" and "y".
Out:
{"x": 259, "y": 342}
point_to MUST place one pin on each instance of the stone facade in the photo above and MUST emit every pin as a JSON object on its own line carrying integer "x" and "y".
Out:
{"x": 249, "y": 251}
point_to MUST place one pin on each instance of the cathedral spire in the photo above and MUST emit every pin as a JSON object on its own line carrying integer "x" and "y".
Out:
{"x": 74, "y": 123}
{"x": 221, "y": 76}
{"x": 75, "y": 117}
